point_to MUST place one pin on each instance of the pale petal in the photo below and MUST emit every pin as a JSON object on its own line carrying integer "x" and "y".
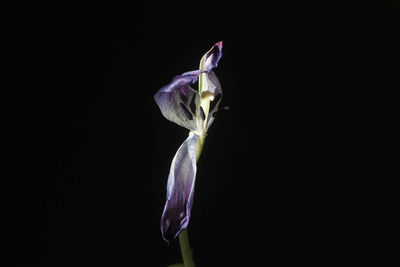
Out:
{"x": 215, "y": 88}
{"x": 175, "y": 99}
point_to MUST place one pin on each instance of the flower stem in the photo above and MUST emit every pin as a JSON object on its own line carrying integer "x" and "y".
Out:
{"x": 200, "y": 145}
{"x": 185, "y": 249}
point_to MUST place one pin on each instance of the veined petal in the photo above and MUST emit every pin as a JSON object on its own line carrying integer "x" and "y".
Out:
{"x": 180, "y": 189}
{"x": 175, "y": 98}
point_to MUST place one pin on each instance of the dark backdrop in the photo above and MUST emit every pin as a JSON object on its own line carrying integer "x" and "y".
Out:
{"x": 90, "y": 151}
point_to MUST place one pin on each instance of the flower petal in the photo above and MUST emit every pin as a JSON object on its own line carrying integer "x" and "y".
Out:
{"x": 212, "y": 57}
{"x": 215, "y": 88}
{"x": 180, "y": 189}
{"x": 175, "y": 98}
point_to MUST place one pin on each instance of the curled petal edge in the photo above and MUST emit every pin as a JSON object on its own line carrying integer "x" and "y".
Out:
{"x": 212, "y": 57}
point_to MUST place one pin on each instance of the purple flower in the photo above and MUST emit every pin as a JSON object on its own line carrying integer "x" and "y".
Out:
{"x": 194, "y": 110}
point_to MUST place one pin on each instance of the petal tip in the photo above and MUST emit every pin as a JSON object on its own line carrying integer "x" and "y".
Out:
{"x": 211, "y": 58}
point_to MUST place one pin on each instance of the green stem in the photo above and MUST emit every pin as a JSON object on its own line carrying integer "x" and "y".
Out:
{"x": 200, "y": 145}
{"x": 186, "y": 251}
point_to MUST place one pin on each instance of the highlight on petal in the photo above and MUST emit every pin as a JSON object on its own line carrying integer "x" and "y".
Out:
{"x": 177, "y": 99}
{"x": 180, "y": 189}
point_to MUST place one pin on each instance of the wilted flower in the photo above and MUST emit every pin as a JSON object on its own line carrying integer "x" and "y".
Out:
{"x": 195, "y": 111}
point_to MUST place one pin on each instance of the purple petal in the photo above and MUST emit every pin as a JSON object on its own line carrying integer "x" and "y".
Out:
{"x": 180, "y": 190}
{"x": 212, "y": 57}
{"x": 174, "y": 99}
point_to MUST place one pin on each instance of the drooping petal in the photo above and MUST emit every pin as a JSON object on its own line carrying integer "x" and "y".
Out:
{"x": 212, "y": 57}
{"x": 175, "y": 99}
{"x": 180, "y": 189}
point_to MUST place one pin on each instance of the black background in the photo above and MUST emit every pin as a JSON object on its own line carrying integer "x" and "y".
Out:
{"x": 86, "y": 171}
